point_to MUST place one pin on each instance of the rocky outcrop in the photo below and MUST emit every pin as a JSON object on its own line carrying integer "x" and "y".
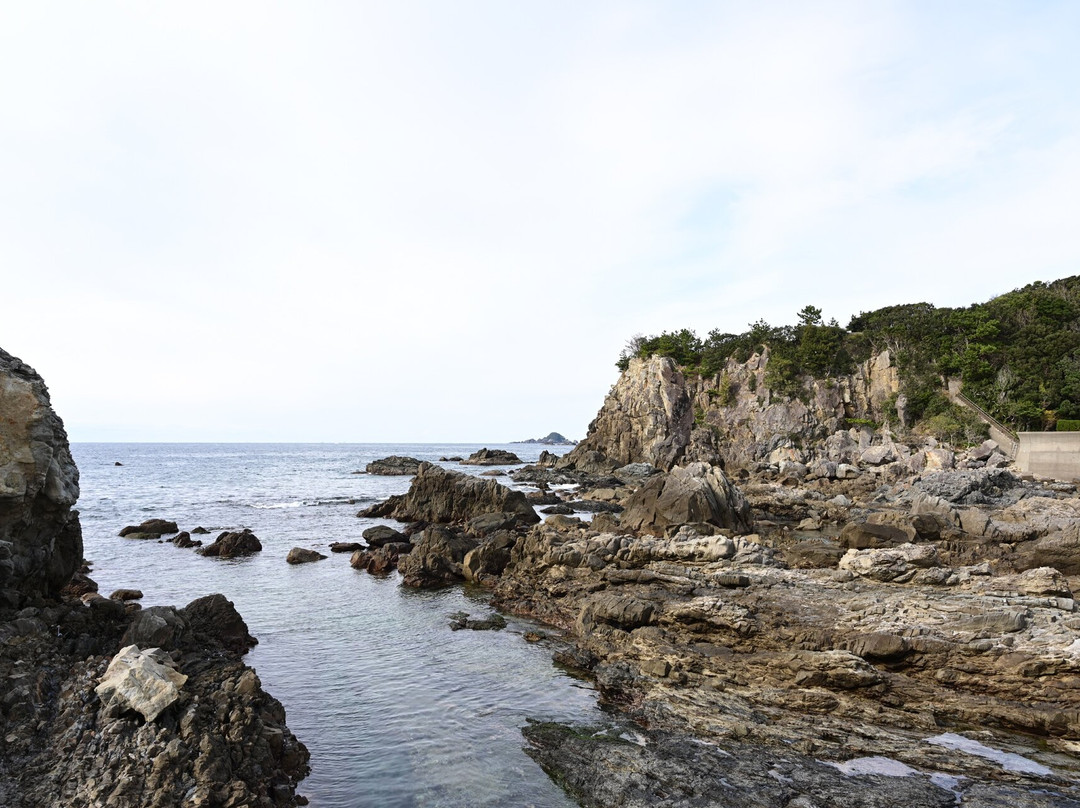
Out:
{"x": 40, "y": 535}
{"x": 647, "y": 417}
{"x": 655, "y": 414}
{"x": 444, "y": 496}
{"x": 492, "y": 457}
{"x": 696, "y": 493}
{"x": 395, "y": 465}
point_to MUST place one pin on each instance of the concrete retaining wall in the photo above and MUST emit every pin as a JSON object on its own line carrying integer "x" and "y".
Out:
{"x": 1050, "y": 454}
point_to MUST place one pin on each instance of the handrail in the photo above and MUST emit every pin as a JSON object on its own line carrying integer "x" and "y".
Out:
{"x": 1011, "y": 436}
{"x": 987, "y": 416}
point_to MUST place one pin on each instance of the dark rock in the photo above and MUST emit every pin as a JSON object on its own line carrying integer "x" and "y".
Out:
{"x": 382, "y": 534}
{"x": 443, "y": 496}
{"x": 395, "y": 465}
{"x": 150, "y": 529}
{"x": 454, "y": 459}
{"x": 487, "y": 523}
{"x": 492, "y": 457}
{"x": 232, "y": 545}
{"x": 345, "y": 546}
{"x": 302, "y": 555}
{"x": 604, "y": 768}
{"x": 127, "y": 594}
{"x": 975, "y": 487}
{"x": 560, "y": 508}
{"x": 813, "y": 554}
{"x": 200, "y": 531}
{"x": 382, "y": 560}
{"x": 460, "y": 620}
{"x": 118, "y": 463}
{"x": 40, "y": 537}
{"x": 436, "y": 559}
{"x": 547, "y": 460}
{"x": 543, "y": 498}
{"x": 489, "y": 559}
{"x": 156, "y": 627}
{"x": 865, "y": 535}
{"x": 214, "y": 617}
{"x": 594, "y": 506}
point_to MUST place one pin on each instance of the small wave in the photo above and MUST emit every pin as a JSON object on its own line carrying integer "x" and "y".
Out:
{"x": 273, "y": 506}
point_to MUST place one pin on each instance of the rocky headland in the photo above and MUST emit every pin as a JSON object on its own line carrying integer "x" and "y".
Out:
{"x": 790, "y": 609}
{"x": 104, "y": 703}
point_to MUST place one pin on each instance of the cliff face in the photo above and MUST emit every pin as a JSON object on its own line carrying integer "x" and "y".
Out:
{"x": 40, "y": 536}
{"x": 655, "y": 414}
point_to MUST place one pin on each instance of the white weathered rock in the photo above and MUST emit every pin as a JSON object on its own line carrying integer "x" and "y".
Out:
{"x": 891, "y": 564}
{"x": 136, "y": 680}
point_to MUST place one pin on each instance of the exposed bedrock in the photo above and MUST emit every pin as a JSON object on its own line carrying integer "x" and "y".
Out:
{"x": 40, "y": 535}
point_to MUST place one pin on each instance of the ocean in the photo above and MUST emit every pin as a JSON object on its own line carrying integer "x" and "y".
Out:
{"x": 396, "y": 708}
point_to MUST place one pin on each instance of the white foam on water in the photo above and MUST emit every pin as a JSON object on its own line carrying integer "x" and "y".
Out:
{"x": 1008, "y": 760}
{"x": 273, "y": 506}
{"x": 874, "y": 765}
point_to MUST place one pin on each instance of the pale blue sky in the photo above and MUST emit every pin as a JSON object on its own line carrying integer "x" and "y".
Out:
{"x": 442, "y": 221}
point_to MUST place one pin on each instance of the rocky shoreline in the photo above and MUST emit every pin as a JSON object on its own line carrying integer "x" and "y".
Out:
{"x": 865, "y": 619}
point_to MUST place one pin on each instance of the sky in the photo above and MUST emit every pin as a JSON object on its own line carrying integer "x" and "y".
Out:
{"x": 436, "y": 221}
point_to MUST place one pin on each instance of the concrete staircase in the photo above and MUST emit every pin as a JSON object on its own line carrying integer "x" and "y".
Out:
{"x": 1001, "y": 434}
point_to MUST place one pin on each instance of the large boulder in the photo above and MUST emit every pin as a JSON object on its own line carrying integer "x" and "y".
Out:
{"x": 395, "y": 465}
{"x": 694, "y": 493}
{"x": 443, "y": 496}
{"x": 40, "y": 536}
{"x": 137, "y": 680}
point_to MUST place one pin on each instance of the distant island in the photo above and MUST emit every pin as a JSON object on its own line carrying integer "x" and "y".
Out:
{"x": 551, "y": 439}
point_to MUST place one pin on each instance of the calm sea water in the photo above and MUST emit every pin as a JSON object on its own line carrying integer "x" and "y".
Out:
{"x": 397, "y": 709}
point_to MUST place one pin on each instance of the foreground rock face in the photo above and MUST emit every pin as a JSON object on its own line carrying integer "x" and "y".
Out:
{"x": 185, "y": 724}
{"x": 443, "y": 496}
{"x": 40, "y": 535}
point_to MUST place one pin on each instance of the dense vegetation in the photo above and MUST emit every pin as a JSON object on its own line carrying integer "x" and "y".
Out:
{"x": 1018, "y": 355}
